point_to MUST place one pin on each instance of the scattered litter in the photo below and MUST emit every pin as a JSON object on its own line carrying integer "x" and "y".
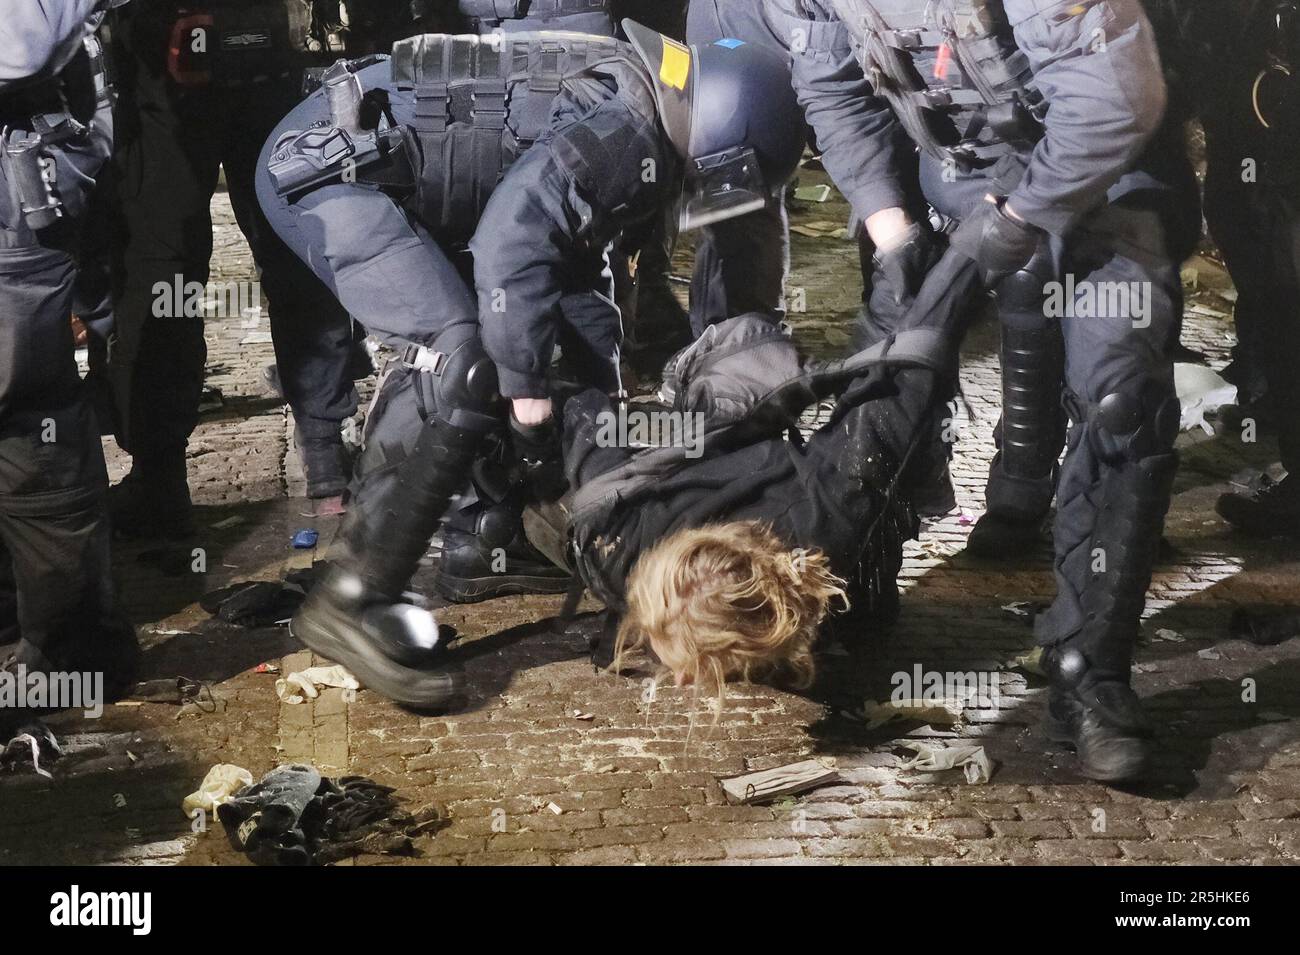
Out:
{"x": 1206, "y": 311}
{"x": 1265, "y": 628}
{"x": 1030, "y": 662}
{"x": 256, "y": 338}
{"x": 295, "y": 816}
{"x": 234, "y": 520}
{"x": 1019, "y": 608}
{"x": 31, "y": 742}
{"x": 605, "y": 768}
{"x": 935, "y": 547}
{"x": 1209, "y": 653}
{"x": 305, "y": 539}
{"x": 930, "y": 758}
{"x": 936, "y": 712}
{"x": 1146, "y": 668}
{"x": 219, "y": 785}
{"x": 1165, "y": 635}
{"x": 258, "y": 603}
{"x": 579, "y": 715}
{"x": 817, "y": 193}
{"x": 266, "y": 668}
{"x": 1191, "y": 277}
{"x": 302, "y": 686}
{"x": 821, "y": 229}
{"x": 782, "y": 781}
{"x": 1201, "y": 391}
{"x": 176, "y": 691}
{"x": 558, "y": 810}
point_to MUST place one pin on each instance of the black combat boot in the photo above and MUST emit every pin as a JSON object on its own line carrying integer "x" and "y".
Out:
{"x": 485, "y": 555}
{"x": 325, "y": 463}
{"x": 1030, "y": 438}
{"x": 1091, "y": 704}
{"x": 153, "y": 500}
{"x": 1272, "y": 511}
{"x": 360, "y": 614}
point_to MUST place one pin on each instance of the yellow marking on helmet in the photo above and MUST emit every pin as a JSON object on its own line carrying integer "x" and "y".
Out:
{"x": 675, "y": 68}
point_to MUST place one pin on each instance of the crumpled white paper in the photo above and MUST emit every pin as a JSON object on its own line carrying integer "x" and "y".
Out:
{"x": 219, "y": 785}
{"x": 1201, "y": 391}
{"x": 972, "y": 760}
{"x": 303, "y": 686}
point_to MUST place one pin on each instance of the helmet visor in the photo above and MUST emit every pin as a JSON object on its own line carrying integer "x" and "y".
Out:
{"x": 723, "y": 186}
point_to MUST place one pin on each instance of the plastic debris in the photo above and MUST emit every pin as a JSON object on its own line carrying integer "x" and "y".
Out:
{"x": 770, "y": 784}
{"x": 1201, "y": 391}
{"x": 1165, "y": 635}
{"x": 219, "y": 785}
{"x": 304, "y": 685}
{"x": 930, "y": 758}
{"x": 937, "y": 712}
{"x": 305, "y": 539}
{"x": 555, "y": 808}
{"x": 816, "y": 193}
{"x": 1030, "y": 662}
{"x": 1019, "y": 608}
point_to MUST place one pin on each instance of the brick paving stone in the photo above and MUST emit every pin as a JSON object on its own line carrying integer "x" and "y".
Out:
{"x": 638, "y": 783}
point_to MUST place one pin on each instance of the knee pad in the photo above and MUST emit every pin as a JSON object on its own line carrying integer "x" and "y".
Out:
{"x": 1143, "y": 417}
{"x": 465, "y": 378}
{"x": 1023, "y": 291}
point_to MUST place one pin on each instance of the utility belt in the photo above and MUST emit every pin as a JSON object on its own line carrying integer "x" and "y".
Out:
{"x": 233, "y": 44}
{"x": 36, "y": 121}
{"x": 340, "y": 149}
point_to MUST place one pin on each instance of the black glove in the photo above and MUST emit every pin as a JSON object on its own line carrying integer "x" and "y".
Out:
{"x": 538, "y": 457}
{"x": 897, "y": 276}
{"x": 999, "y": 244}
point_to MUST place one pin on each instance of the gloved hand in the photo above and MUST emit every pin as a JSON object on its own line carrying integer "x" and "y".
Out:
{"x": 997, "y": 242}
{"x": 538, "y": 457}
{"x": 897, "y": 275}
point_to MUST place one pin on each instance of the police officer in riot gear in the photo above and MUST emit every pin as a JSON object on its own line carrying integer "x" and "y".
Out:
{"x": 57, "y": 603}
{"x": 1032, "y": 119}
{"x": 1250, "y": 108}
{"x": 202, "y": 84}
{"x": 515, "y": 161}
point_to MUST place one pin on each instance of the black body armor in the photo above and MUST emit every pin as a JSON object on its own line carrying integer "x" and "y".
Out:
{"x": 481, "y": 103}
{"x": 953, "y": 74}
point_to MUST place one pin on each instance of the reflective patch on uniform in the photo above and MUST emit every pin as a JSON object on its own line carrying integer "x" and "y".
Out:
{"x": 1075, "y": 10}
{"x": 729, "y": 43}
{"x": 675, "y": 68}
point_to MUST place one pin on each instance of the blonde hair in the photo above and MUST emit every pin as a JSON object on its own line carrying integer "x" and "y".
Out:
{"x": 728, "y": 601}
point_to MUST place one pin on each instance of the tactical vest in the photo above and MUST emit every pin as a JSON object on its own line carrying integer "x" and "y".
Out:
{"x": 489, "y": 15}
{"x": 481, "y": 102}
{"x": 953, "y": 74}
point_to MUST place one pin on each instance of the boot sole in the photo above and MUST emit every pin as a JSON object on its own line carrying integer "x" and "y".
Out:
{"x": 418, "y": 689}
{"x": 463, "y": 590}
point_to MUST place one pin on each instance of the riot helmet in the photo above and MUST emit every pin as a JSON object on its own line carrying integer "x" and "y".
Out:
{"x": 731, "y": 113}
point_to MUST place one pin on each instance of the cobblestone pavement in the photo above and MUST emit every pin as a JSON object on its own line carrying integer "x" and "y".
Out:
{"x": 550, "y": 762}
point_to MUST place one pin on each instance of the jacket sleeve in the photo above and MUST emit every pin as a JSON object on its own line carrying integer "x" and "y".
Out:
{"x": 36, "y": 34}
{"x": 559, "y": 204}
{"x": 862, "y": 144}
{"x": 1097, "y": 65}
